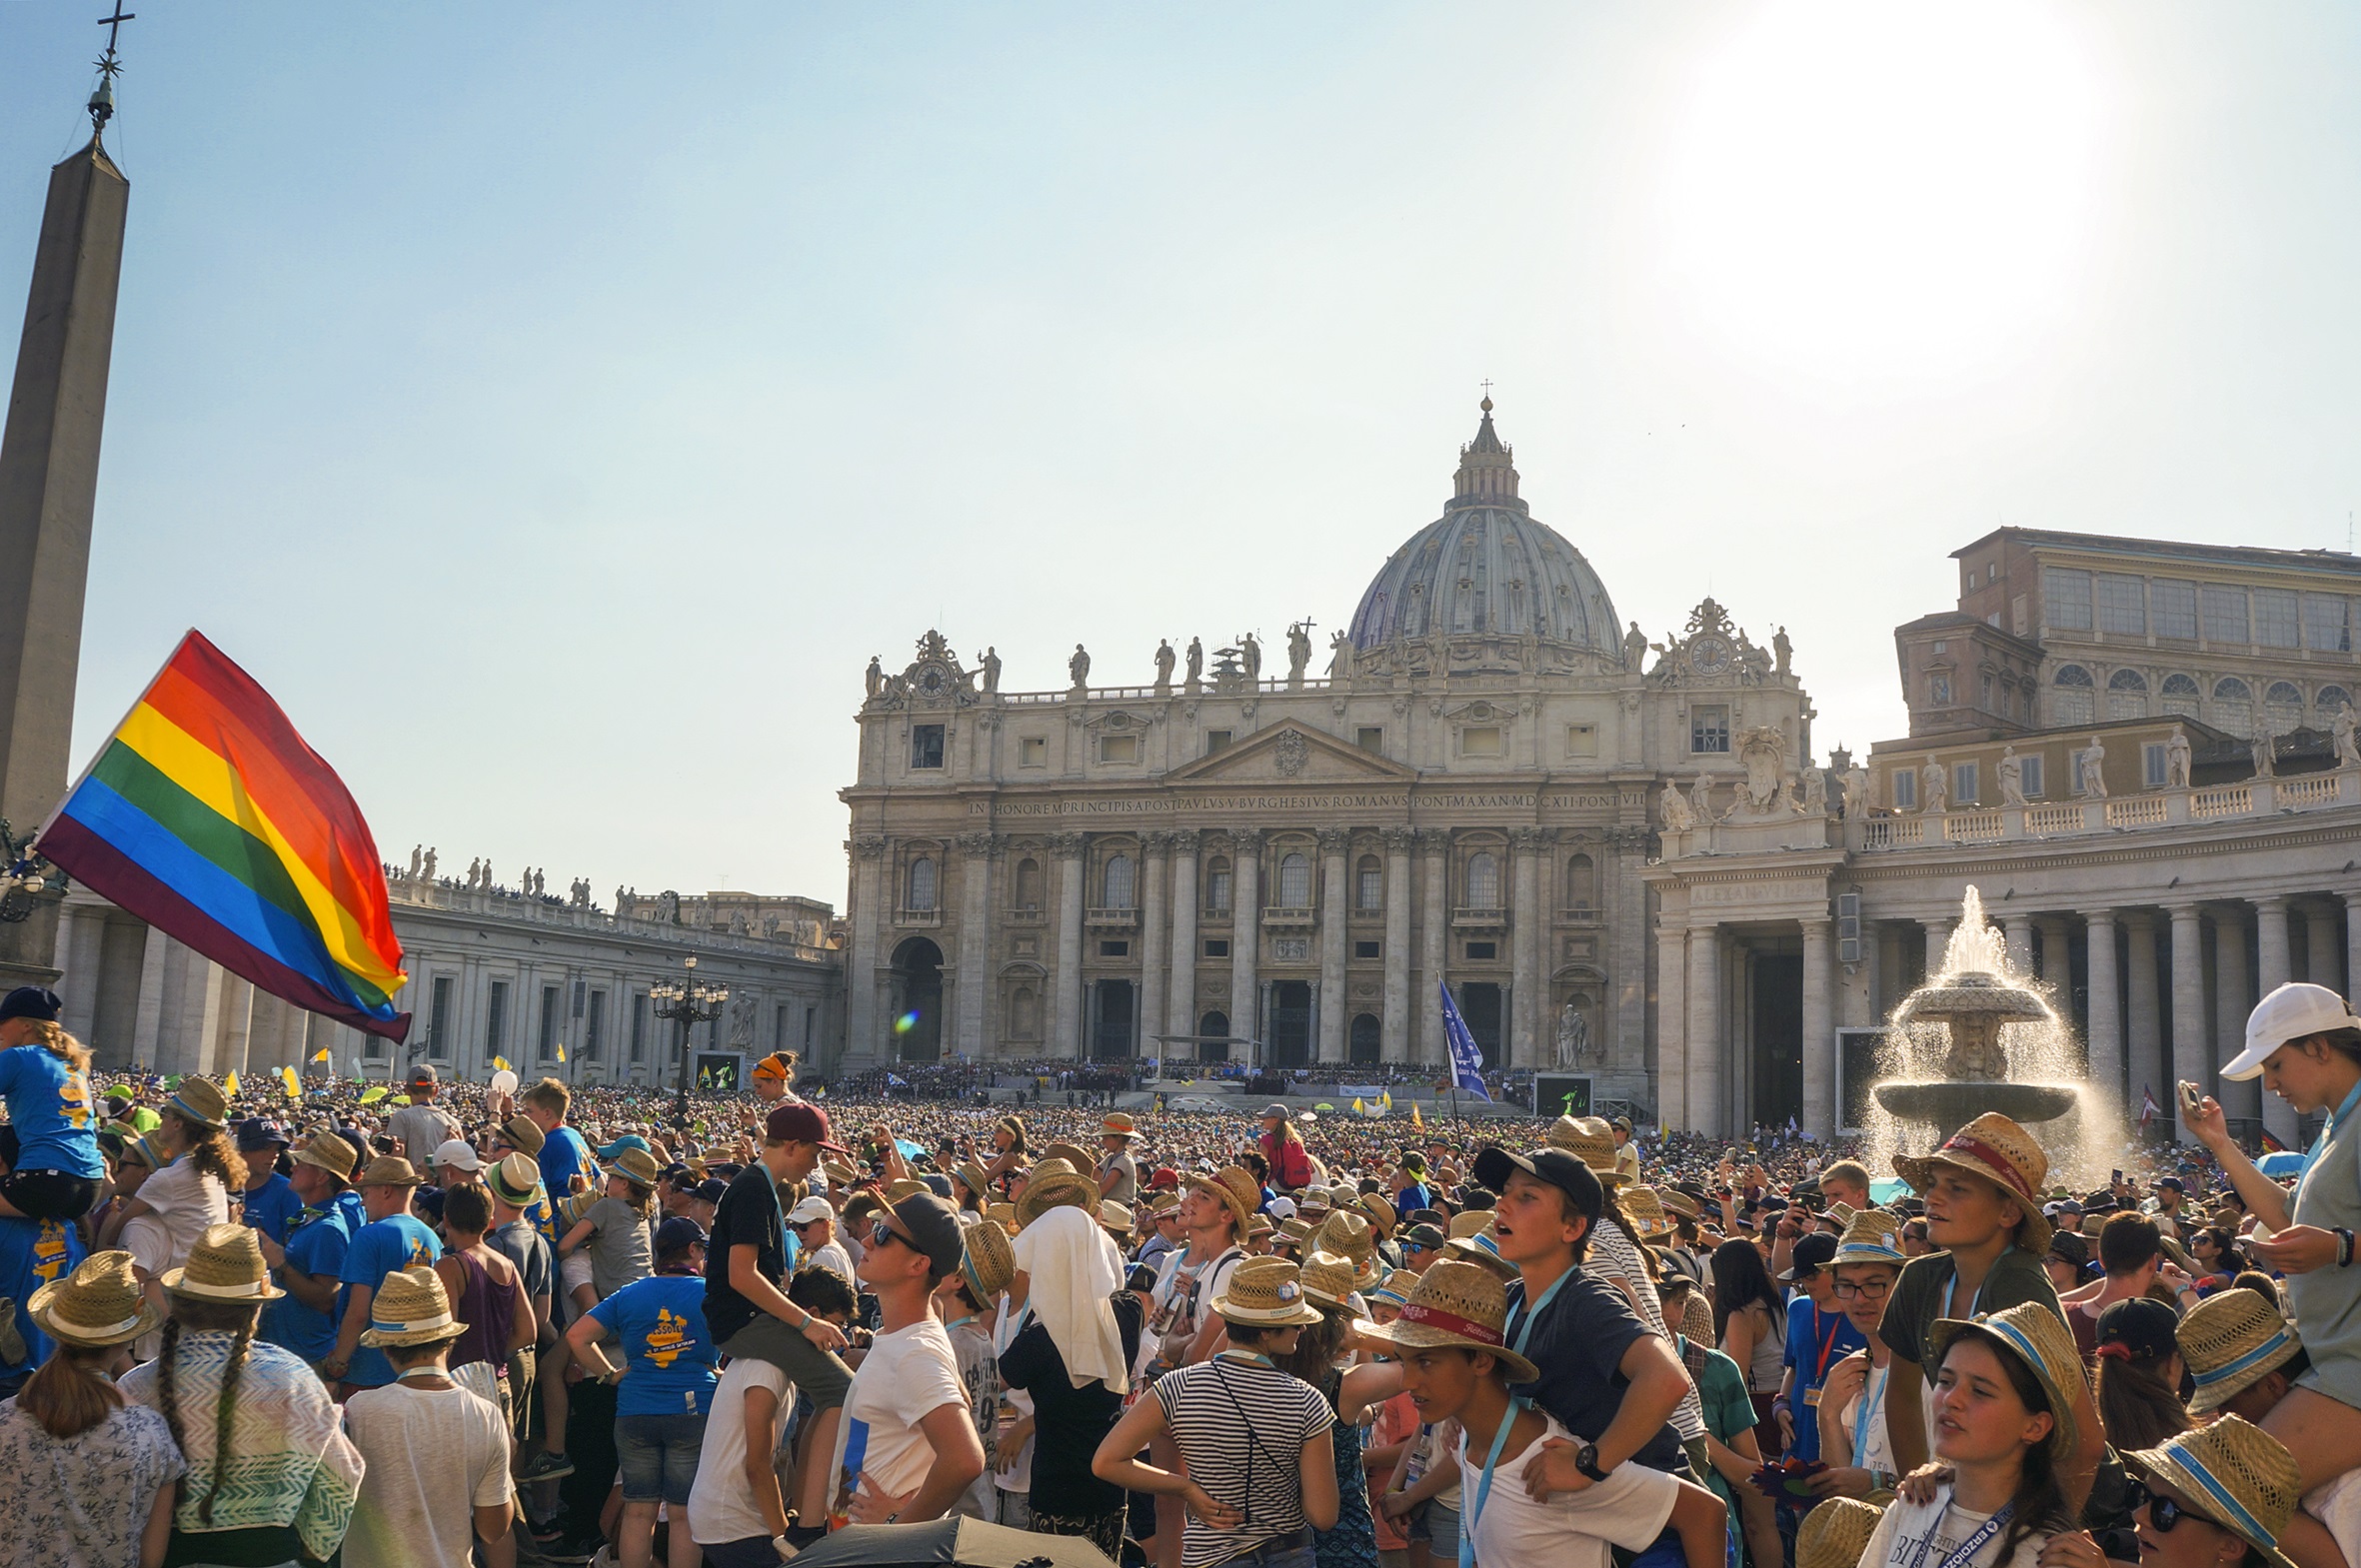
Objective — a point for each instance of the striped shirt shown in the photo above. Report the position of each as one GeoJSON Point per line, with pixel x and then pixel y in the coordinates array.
{"type": "Point", "coordinates": [1242, 1426]}
{"type": "Point", "coordinates": [1614, 1255]}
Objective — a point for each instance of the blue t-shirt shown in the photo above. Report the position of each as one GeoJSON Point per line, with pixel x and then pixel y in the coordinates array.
{"type": "Point", "coordinates": [34, 1252]}
{"type": "Point", "coordinates": [1410, 1199]}
{"type": "Point", "coordinates": [661, 1321]}
{"type": "Point", "coordinates": [564, 1155]}
{"type": "Point", "coordinates": [1814, 1344]}
{"type": "Point", "coordinates": [377, 1251]}
{"type": "Point", "coordinates": [49, 1105]}
{"type": "Point", "coordinates": [316, 1245]}
{"type": "Point", "coordinates": [270, 1208]}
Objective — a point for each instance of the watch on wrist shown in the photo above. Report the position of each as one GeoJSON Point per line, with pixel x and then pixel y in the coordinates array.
{"type": "Point", "coordinates": [1586, 1461]}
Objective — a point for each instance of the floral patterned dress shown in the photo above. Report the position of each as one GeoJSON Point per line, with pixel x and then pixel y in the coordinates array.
{"type": "Point", "coordinates": [1352, 1543]}
{"type": "Point", "coordinates": [82, 1501]}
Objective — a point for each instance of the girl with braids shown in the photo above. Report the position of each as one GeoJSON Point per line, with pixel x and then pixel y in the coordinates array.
{"type": "Point", "coordinates": [45, 1076]}
{"type": "Point", "coordinates": [272, 1476]}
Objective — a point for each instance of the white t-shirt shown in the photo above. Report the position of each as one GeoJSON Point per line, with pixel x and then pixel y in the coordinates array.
{"type": "Point", "coordinates": [1005, 1329]}
{"type": "Point", "coordinates": [1877, 1453]}
{"type": "Point", "coordinates": [908, 1374]}
{"type": "Point", "coordinates": [832, 1256]}
{"type": "Point", "coordinates": [2337, 1505]}
{"type": "Point", "coordinates": [1571, 1530]}
{"type": "Point", "coordinates": [721, 1507]}
{"type": "Point", "coordinates": [433, 1456]}
{"type": "Point", "coordinates": [185, 1200]}
{"type": "Point", "coordinates": [1896, 1540]}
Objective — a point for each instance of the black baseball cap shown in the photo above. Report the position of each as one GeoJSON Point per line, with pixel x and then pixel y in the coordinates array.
{"type": "Point", "coordinates": [801, 1121]}
{"type": "Point", "coordinates": [712, 1189]}
{"type": "Point", "coordinates": [677, 1232]}
{"type": "Point", "coordinates": [932, 1226]}
{"type": "Point", "coordinates": [2140, 1325]}
{"type": "Point", "coordinates": [257, 1132]}
{"type": "Point", "coordinates": [1812, 1253]}
{"type": "Point", "coordinates": [1566, 1172]}
{"type": "Point", "coordinates": [31, 1001]}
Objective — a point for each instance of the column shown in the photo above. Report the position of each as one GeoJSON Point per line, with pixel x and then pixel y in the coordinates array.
{"type": "Point", "coordinates": [2143, 1014]}
{"type": "Point", "coordinates": [1245, 933]}
{"type": "Point", "coordinates": [1627, 1021]}
{"type": "Point", "coordinates": [862, 966]}
{"type": "Point", "coordinates": [1939, 943]}
{"type": "Point", "coordinates": [1704, 1031]}
{"type": "Point", "coordinates": [2189, 1022]}
{"type": "Point", "coordinates": [1394, 1035]}
{"type": "Point", "coordinates": [1434, 932]}
{"type": "Point", "coordinates": [2271, 971]}
{"type": "Point", "coordinates": [2019, 930]}
{"type": "Point", "coordinates": [1152, 849]}
{"type": "Point", "coordinates": [147, 1026]}
{"type": "Point", "coordinates": [1820, 1033]}
{"type": "Point", "coordinates": [1334, 911]}
{"type": "Point", "coordinates": [1527, 921]}
{"type": "Point", "coordinates": [2320, 945]}
{"type": "Point", "coordinates": [1180, 999]}
{"type": "Point", "coordinates": [2233, 999]}
{"type": "Point", "coordinates": [977, 852]}
{"type": "Point", "coordinates": [1671, 1023]}
{"type": "Point", "coordinates": [2057, 960]}
{"type": "Point", "coordinates": [2106, 1008]}
{"type": "Point", "coordinates": [2353, 941]}
{"type": "Point", "coordinates": [1066, 982]}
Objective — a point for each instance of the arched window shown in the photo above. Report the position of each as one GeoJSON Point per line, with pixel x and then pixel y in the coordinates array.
{"type": "Point", "coordinates": [2127, 680]}
{"type": "Point", "coordinates": [2229, 689]}
{"type": "Point", "coordinates": [1581, 882]}
{"type": "Point", "coordinates": [1029, 885]}
{"type": "Point", "coordinates": [1294, 881]}
{"type": "Point", "coordinates": [1025, 1013]}
{"type": "Point", "coordinates": [921, 883]}
{"type": "Point", "coordinates": [1118, 883]}
{"type": "Point", "coordinates": [2283, 706]}
{"type": "Point", "coordinates": [1212, 1037]}
{"type": "Point", "coordinates": [2127, 695]}
{"type": "Point", "coordinates": [2071, 675]}
{"type": "Point", "coordinates": [2180, 696]}
{"type": "Point", "coordinates": [2233, 706]}
{"type": "Point", "coordinates": [2071, 700]}
{"type": "Point", "coordinates": [2331, 697]}
{"type": "Point", "coordinates": [1484, 881]}
{"type": "Point", "coordinates": [1368, 880]}
{"type": "Point", "coordinates": [1363, 1047]}
{"type": "Point", "coordinates": [1218, 884]}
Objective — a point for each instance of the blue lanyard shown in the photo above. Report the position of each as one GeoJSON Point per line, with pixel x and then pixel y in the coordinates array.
{"type": "Point", "coordinates": [2352, 1098]}
{"type": "Point", "coordinates": [1483, 1483]}
{"type": "Point", "coordinates": [1964, 1553]}
{"type": "Point", "coordinates": [1524, 1328]}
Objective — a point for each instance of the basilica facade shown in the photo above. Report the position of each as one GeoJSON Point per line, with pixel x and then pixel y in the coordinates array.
{"type": "Point", "coordinates": [1287, 864]}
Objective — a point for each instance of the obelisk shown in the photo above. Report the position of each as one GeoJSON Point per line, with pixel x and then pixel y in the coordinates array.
{"type": "Point", "coordinates": [48, 486]}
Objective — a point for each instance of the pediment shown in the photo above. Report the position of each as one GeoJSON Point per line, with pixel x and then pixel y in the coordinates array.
{"type": "Point", "coordinates": [1291, 753]}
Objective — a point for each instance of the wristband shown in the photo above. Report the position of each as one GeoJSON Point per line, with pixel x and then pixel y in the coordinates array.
{"type": "Point", "coordinates": [2344, 1247]}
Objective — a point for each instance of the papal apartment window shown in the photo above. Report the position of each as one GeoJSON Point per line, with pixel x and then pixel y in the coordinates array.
{"type": "Point", "coordinates": [926, 745]}
{"type": "Point", "coordinates": [2152, 765]}
{"type": "Point", "coordinates": [2029, 775]}
{"type": "Point", "coordinates": [1216, 946]}
{"type": "Point", "coordinates": [2065, 599]}
{"type": "Point", "coordinates": [2172, 608]}
{"type": "Point", "coordinates": [1369, 737]}
{"type": "Point", "coordinates": [1479, 741]}
{"type": "Point", "coordinates": [1218, 739]}
{"type": "Point", "coordinates": [1708, 727]}
{"type": "Point", "coordinates": [2326, 627]}
{"type": "Point", "coordinates": [2123, 603]}
{"type": "Point", "coordinates": [2274, 617]}
{"type": "Point", "coordinates": [1906, 781]}
{"type": "Point", "coordinates": [1118, 748]}
{"type": "Point", "coordinates": [1964, 790]}
{"type": "Point", "coordinates": [2225, 613]}
{"type": "Point", "coordinates": [1033, 751]}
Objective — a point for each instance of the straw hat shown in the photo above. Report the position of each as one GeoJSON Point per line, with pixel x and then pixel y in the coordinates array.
{"type": "Point", "coordinates": [200, 1100]}
{"type": "Point", "coordinates": [2035, 1336]}
{"type": "Point", "coordinates": [1072, 1153]}
{"type": "Point", "coordinates": [514, 1178]}
{"type": "Point", "coordinates": [2231, 1341]}
{"type": "Point", "coordinates": [410, 1308]}
{"type": "Point", "coordinates": [906, 1188]}
{"type": "Point", "coordinates": [1471, 1223]}
{"type": "Point", "coordinates": [2000, 1151]}
{"type": "Point", "coordinates": [1116, 1217]}
{"type": "Point", "coordinates": [99, 1303]}
{"type": "Point", "coordinates": [1462, 1305]}
{"type": "Point", "coordinates": [330, 1153]}
{"type": "Point", "coordinates": [1677, 1201]}
{"type": "Point", "coordinates": [1873, 1236]}
{"type": "Point", "coordinates": [1396, 1287]}
{"type": "Point", "coordinates": [2233, 1473]}
{"type": "Point", "coordinates": [1839, 1214]}
{"type": "Point", "coordinates": [1483, 1249]}
{"type": "Point", "coordinates": [1119, 1124]}
{"type": "Point", "coordinates": [1348, 1235]}
{"type": "Point", "coordinates": [636, 1166]}
{"type": "Point", "coordinates": [1646, 1214]}
{"type": "Point", "coordinates": [1003, 1215]}
{"type": "Point", "coordinates": [1266, 1292]}
{"type": "Point", "coordinates": [971, 1176]}
{"type": "Point", "coordinates": [225, 1264]}
{"type": "Point", "coordinates": [1293, 1233]}
{"type": "Point", "coordinates": [388, 1170]}
{"type": "Point", "coordinates": [1327, 1278]}
{"type": "Point", "coordinates": [1592, 1145]}
{"type": "Point", "coordinates": [1381, 1213]}
{"type": "Point", "coordinates": [1235, 1186]}
{"type": "Point", "coordinates": [1055, 1184]}
{"type": "Point", "coordinates": [1835, 1533]}
{"type": "Point", "coordinates": [988, 1263]}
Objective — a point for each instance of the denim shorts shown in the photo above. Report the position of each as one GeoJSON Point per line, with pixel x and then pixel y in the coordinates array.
{"type": "Point", "coordinates": [656, 1456]}
{"type": "Point", "coordinates": [1439, 1527]}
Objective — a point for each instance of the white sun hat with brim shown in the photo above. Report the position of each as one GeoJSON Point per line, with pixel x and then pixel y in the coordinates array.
{"type": "Point", "coordinates": [2297, 1011]}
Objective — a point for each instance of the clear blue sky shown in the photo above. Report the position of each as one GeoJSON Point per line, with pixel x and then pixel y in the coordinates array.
{"type": "Point", "coordinates": [556, 405]}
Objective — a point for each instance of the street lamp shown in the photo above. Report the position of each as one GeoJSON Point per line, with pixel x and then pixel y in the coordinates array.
{"type": "Point", "coordinates": [691, 1001]}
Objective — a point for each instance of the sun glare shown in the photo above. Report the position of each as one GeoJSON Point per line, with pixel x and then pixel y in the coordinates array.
{"type": "Point", "coordinates": [1884, 191]}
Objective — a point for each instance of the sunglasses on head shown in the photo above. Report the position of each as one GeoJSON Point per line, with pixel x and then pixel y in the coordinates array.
{"type": "Point", "coordinates": [2163, 1512]}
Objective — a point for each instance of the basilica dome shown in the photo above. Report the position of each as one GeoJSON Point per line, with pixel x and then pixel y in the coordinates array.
{"type": "Point", "coordinates": [1487, 569]}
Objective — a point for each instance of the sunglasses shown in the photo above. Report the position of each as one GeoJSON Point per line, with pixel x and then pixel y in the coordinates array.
{"type": "Point", "coordinates": [2163, 1513]}
{"type": "Point", "coordinates": [879, 1233]}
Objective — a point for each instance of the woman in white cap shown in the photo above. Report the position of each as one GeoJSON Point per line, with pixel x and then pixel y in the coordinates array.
{"type": "Point", "coordinates": [2304, 1042]}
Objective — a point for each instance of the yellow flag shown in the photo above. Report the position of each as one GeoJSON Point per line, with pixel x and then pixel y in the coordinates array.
{"type": "Point", "coordinates": [1416, 1120]}
{"type": "Point", "coordinates": [1386, 1100]}
{"type": "Point", "coordinates": [1358, 1108]}
{"type": "Point", "coordinates": [561, 1050]}
{"type": "Point", "coordinates": [321, 1054]}
{"type": "Point", "coordinates": [229, 1085]}
{"type": "Point", "coordinates": [501, 1064]}
{"type": "Point", "coordinates": [294, 1083]}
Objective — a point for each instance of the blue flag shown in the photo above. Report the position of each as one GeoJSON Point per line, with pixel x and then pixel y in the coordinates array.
{"type": "Point", "coordinates": [1467, 1061]}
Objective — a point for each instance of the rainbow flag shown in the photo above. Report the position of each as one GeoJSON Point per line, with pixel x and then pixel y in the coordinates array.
{"type": "Point", "coordinates": [205, 815]}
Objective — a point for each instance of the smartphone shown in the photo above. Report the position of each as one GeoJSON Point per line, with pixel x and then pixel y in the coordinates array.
{"type": "Point", "coordinates": [2192, 1097]}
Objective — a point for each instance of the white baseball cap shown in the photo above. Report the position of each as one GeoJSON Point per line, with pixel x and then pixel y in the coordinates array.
{"type": "Point", "coordinates": [2296, 1010]}
{"type": "Point", "coordinates": [457, 1152]}
{"type": "Point", "coordinates": [811, 1208]}
{"type": "Point", "coordinates": [1282, 1208]}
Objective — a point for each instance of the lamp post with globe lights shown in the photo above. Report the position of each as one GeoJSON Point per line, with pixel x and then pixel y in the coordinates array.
{"type": "Point", "coordinates": [690, 1002]}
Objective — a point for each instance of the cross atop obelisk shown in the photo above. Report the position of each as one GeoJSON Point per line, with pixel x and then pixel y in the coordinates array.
{"type": "Point", "coordinates": [109, 66]}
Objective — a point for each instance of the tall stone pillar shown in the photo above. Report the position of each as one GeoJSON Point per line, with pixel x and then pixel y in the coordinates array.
{"type": "Point", "coordinates": [1153, 847]}
{"type": "Point", "coordinates": [2272, 971]}
{"type": "Point", "coordinates": [2143, 1012]}
{"type": "Point", "coordinates": [2057, 962]}
{"type": "Point", "coordinates": [1181, 1000]}
{"type": "Point", "coordinates": [1434, 934]}
{"type": "Point", "coordinates": [977, 852]}
{"type": "Point", "coordinates": [1066, 1011]}
{"type": "Point", "coordinates": [2106, 1008]}
{"type": "Point", "coordinates": [1245, 933]}
{"type": "Point", "coordinates": [1938, 942]}
{"type": "Point", "coordinates": [1394, 1039]}
{"type": "Point", "coordinates": [1673, 1024]}
{"type": "Point", "coordinates": [1336, 910]}
{"type": "Point", "coordinates": [48, 489]}
{"type": "Point", "coordinates": [2320, 945]}
{"type": "Point", "coordinates": [1529, 923]}
{"type": "Point", "coordinates": [864, 1042]}
{"type": "Point", "coordinates": [2352, 942]}
{"type": "Point", "coordinates": [1820, 1033]}
{"type": "Point", "coordinates": [1626, 904]}
{"type": "Point", "coordinates": [2019, 930]}
{"type": "Point", "coordinates": [2233, 999]}
{"type": "Point", "coordinates": [2191, 1026]}
{"type": "Point", "coordinates": [1705, 1110]}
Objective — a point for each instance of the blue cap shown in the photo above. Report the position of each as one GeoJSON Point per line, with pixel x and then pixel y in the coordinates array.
{"type": "Point", "coordinates": [629, 1141]}
{"type": "Point", "coordinates": [259, 1132]}
{"type": "Point", "coordinates": [677, 1232]}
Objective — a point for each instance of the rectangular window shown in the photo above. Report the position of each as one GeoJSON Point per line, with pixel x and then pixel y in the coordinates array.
{"type": "Point", "coordinates": [1365, 950]}
{"type": "Point", "coordinates": [2274, 617]}
{"type": "Point", "coordinates": [1115, 949]}
{"type": "Point", "coordinates": [594, 1028]}
{"type": "Point", "coordinates": [1217, 740]}
{"type": "Point", "coordinates": [496, 1022]}
{"type": "Point", "coordinates": [1708, 727]}
{"type": "Point", "coordinates": [551, 1000]}
{"type": "Point", "coordinates": [1370, 737]}
{"type": "Point", "coordinates": [2327, 629]}
{"type": "Point", "coordinates": [779, 1027]}
{"type": "Point", "coordinates": [2152, 765]}
{"type": "Point", "coordinates": [2031, 775]}
{"type": "Point", "coordinates": [438, 1033]}
{"type": "Point", "coordinates": [2065, 599]}
{"type": "Point", "coordinates": [1963, 784]}
{"type": "Point", "coordinates": [1582, 739]}
{"type": "Point", "coordinates": [1033, 751]}
{"type": "Point", "coordinates": [1906, 790]}
{"type": "Point", "coordinates": [2225, 613]}
{"type": "Point", "coordinates": [1479, 741]}
{"type": "Point", "coordinates": [2124, 604]}
{"type": "Point", "coordinates": [2173, 603]}
{"type": "Point", "coordinates": [1987, 692]}
{"type": "Point", "coordinates": [810, 1019]}
{"type": "Point", "coordinates": [1216, 946]}
{"type": "Point", "coordinates": [926, 745]}
{"type": "Point", "coordinates": [1118, 748]}
{"type": "Point", "coordinates": [1217, 890]}
{"type": "Point", "coordinates": [640, 1026]}
{"type": "Point", "coordinates": [1484, 950]}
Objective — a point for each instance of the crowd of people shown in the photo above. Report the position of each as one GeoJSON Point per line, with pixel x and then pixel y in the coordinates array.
{"type": "Point", "coordinates": [436, 1323]}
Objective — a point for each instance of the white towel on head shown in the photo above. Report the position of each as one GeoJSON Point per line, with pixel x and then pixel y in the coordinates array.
{"type": "Point", "coordinates": [1074, 1270]}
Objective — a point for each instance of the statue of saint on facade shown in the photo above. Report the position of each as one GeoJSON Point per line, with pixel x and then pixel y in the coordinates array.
{"type": "Point", "coordinates": [417, 860]}
{"type": "Point", "coordinates": [1700, 797]}
{"type": "Point", "coordinates": [1858, 792]}
{"type": "Point", "coordinates": [1163, 665]}
{"type": "Point", "coordinates": [430, 862]}
{"type": "Point", "coordinates": [2176, 761]}
{"type": "Point", "coordinates": [1299, 654]}
{"type": "Point", "coordinates": [1573, 1037]}
{"type": "Point", "coordinates": [877, 677]}
{"type": "Point", "coordinates": [2266, 761]}
{"type": "Point", "coordinates": [990, 660]}
{"type": "Point", "coordinates": [1340, 657]}
{"type": "Point", "coordinates": [1678, 816]}
{"type": "Point", "coordinates": [1815, 792]}
{"type": "Point", "coordinates": [475, 872]}
{"type": "Point", "coordinates": [1197, 662]}
{"type": "Point", "coordinates": [2091, 769]}
{"type": "Point", "coordinates": [1078, 668]}
{"type": "Point", "coordinates": [1782, 650]}
{"type": "Point", "coordinates": [1250, 654]}
{"type": "Point", "coordinates": [1636, 647]}
{"type": "Point", "coordinates": [2348, 745]}
{"type": "Point", "coordinates": [1935, 787]}
{"type": "Point", "coordinates": [2010, 772]}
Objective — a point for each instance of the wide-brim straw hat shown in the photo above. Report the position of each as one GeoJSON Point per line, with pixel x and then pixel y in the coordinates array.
{"type": "Point", "coordinates": [1835, 1533]}
{"type": "Point", "coordinates": [1055, 1184]}
{"type": "Point", "coordinates": [1072, 1153]}
{"type": "Point", "coordinates": [2035, 1336]}
{"type": "Point", "coordinates": [1593, 1145]}
{"type": "Point", "coordinates": [1348, 1235]}
{"type": "Point", "coordinates": [2000, 1151]}
{"type": "Point", "coordinates": [1003, 1215]}
{"type": "Point", "coordinates": [1380, 1212]}
{"type": "Point", "coordinates": [330, 1153]}
{"type": "Point", "coordinates": [99, 1303]}
{"type": "Point", "coordinates": [1118, 1218]}
{"type": "Point", "coordinates": [636, 1166]}
{"type": "Point", "coordinates": [1646, 1214]}
{"type": "Point", "coordinates": [200, 1100]}
{"type": "Point", "coordinates": [1292, 1234]}
{"type": "Point", "coordinates": [1484, 1250]}
{"type": "Point", "coordinates": [2231, 1341]}
{"type": "Point", "coordinates": [971, 1176]}
{"type": "Point", "coordinates": [1119, 1124]}
{"type": "Point", "coordinates": [388, 1170]}
{"type": "Point", "coordinates": [1678, 1201]}
{"type": "Point", "coordinates": [2233, 1473]}
{"type": "Point", "coordinates": [1266, 1292]}
{"type": "Point", "coordinates": [1458, 1305]}
{"type": "Point", "coordinates": [225, 1264]}
{"type": "Point", "coordinates": [410, 1308]}
{"type": "Point", "coordinates": [906, 1188]}
{"type": "Point", "coordinates": [1469, 1222]}
{"type": "Point", "coordinates": [514, 1178]}
{"type": "Point", "coordinates": [988, 1263]}
{"type": "Point", "coordinates": [1396, 1287]}
{"type": "Point", "coordinates": [1327, 1278]}
{"type": "Point", "coordinates": [1235, 1186]}
{"type": "Point", "coordinates": [1871, 1237]}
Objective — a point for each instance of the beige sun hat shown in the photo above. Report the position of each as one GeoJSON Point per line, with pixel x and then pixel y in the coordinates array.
{"type": "Point", "coordinates": [2233, 1473]}
{"type": "Point", "coordinates": [1481, 1248]}
{"type": "Point", "coordinates": [1646, 1211]}
{"type": "Point", "coordinates": [1072, 1153]}
{"type": "Point", "coordinates": [1293, 1232]}
{"type": "Point", "coordinates": [411, 1308]}
{"type": "Point", "coordinates": [2231, 1341]}
{"type": "Point", "coordinates": [1348, 1235]}
{"type": "Point", "coordinates": [514, 1179]}
{"type": "Point", "coordinates": [1003, 1215]}
{"type": "Point", "coordinates": [1396, 1287]}
{"type": "Point", "coordinates": [906, 1188]}
{"type": "Point", "coordinates": [1235, 1186]}
{"type": "Point", "coordinates": [1591, 1143]}
{"type": "Point", "coordinates": [2000, 1151]}
{"type": "Point", "coordinates": [330, 1153]}
{"type": "Point", "coordinates": [1116, 1217]}
{"type": "Point", "coordinates": [1055, 1184]}
{"type": "Point", "coordinates": [1328, 1280]}
{"type": "Point", "coordinates": [99, 1303]}
{"type": "Point", "coordinates": [636, 1166]}
{"type": "Point", "coordinates": [388, 1170]}
{"type": "Point", "coordinates": [1471, 1222]}
{"type": "Point", "coordinates": [988, 1263]}
{"type": "Point", "coordinates": [1871, 1237]}
{"type": "Point", "coordinates": [2036, 1336]}
{"type": "Point", "coordinates": [1835, 1533]}
{"type": "Point", "coordinates": [1380, 1212]}
{"type": "Point", "coordinates": [1266, 1292]}
{"type": "Point", "coordinates": [225, 1264]}
{"type": "Point", "coordinates": [1458, 1305]}
{"type": "Point", "coordinates": [1678, 1201]}
{"type": "Point", "coordinates": [971, 1176]}
{"type": "Point", "coordinates": [200, 1100]}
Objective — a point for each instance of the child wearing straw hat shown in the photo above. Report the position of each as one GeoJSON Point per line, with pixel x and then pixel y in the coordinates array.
{"type": "Point", "coordinates": [1852, 1406]}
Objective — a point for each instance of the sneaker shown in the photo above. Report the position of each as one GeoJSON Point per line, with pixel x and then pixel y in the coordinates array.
{"type": "Point", "coordinates": [546, 1466]}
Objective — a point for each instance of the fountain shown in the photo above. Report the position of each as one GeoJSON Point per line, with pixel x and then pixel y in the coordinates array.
{"type": "Point", "coordinates": [1977, 1038]}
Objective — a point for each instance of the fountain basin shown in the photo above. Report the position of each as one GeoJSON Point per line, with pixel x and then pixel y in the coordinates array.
{"type": "Point", "coordinates": [1951, 1106]}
